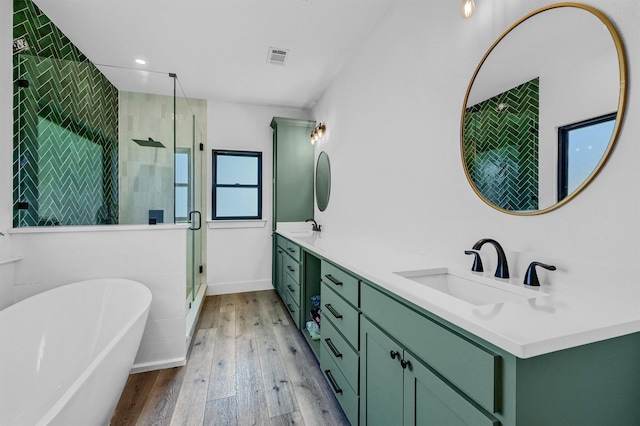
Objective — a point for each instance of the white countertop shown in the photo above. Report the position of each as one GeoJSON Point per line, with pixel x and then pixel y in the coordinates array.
{"type": "Point", "coordinates": [554, 320]}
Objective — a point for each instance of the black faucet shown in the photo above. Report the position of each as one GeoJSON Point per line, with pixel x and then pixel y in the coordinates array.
{"type": "Point", "coordinates": [315, 226]}
{"type": "Point", "coordinates": [477, 261]}
{"type": "Point", "coordinates": [531, 276]}
{"type": "Point", "coordinates": [502, 269]}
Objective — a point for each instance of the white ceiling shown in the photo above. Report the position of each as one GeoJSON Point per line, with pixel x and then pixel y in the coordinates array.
{"type": "Point", "coordinates": [218, 48]}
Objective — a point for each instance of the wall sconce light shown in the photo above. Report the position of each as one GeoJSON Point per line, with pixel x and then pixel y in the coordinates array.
{"type": "Point", "coordinates": [318, 132]}
{"type": "Point", "coordinates": [467, 8]}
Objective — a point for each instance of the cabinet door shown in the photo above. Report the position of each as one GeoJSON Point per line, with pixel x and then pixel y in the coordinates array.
{"type": "Point", "coordinates": [381, 378]}
{"type": "Point", "coordinates": [293, 170]}
{"type": "Point", "coordinates": [279, 264]}
{"type": "Point", "coordinates": [428, 400]}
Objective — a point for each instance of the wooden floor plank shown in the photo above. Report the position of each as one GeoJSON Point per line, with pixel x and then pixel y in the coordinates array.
{"type": "Point", "coordinates": [163, 397]}
{"type": "Point", "coordinates": [222, 383]}
{"type": "Point", "coordinates": [191, 402]}
{"type": "Point", "coordinates": [209, 315]}
{"type": "Point", "coordinates": [272, 306]}
{"type": "Point", "coordinates": [221, 412]}
{"type": "Point", "coordinates": [134, 398]}
{"type": "Point", "coordinates": [316, 402]}
{"type": "Point", "coordinates": [247, 313]}
{"type": "Point", "coordinates": [278, 389]}
{"type": "Point", "coordinates": [288, 419]}
{"type": "Point", "coordinates": [251, 401]}
{"type": "Point", "coordinates": [228, 302]}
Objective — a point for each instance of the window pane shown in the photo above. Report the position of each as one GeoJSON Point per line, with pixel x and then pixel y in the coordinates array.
{"type": "Point", "coordinates": [182, 202]}
{"type": "Point", "coordinates": [182, 167]}
{"type": "Point", "coordinates": [232, 169]}
{"type": "Point", "coordinates": [237, 202]}
{"type": "Point", "coordinates": [586, 148]}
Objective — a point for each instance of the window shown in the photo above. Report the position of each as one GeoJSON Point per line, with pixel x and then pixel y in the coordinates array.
{"type": "Point", "coordinates": [182, 185]}
{"type": "Point", "coordinates": [237, 185]}
{"type": "Point", "coordinates": [581, 146]}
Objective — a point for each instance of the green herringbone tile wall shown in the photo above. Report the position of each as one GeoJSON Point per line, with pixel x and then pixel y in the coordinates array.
{"type": "Point", "coordinates": [65, 129]}
{"type": "Point", "coordinates": [501, 147]}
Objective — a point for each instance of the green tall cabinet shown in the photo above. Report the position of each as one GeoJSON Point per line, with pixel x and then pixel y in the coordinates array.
{"type": "Point", "coordinates": [292, 191]}
{"type": "Point", "coordinates": [292, 170]}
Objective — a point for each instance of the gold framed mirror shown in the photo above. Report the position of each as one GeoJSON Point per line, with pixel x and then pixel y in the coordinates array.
{"type": "Point", "coordinates": [543, 109]}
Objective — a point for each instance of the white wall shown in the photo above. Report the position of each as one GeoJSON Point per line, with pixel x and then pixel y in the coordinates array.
{"type": "Point", "coordinates": [154, 256]}
{"type": "Point", "coordinates": [6, 151]}
{"type": "Point", "coordinates": [239, 259]}
{"type": "Point", "coordinates": [393, 119]}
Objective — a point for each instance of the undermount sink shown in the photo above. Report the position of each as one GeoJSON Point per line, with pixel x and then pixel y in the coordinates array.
{"type": "Point", "coordinates": [302, 233]}
{"type": "Point", "coordinates": [473, 291]}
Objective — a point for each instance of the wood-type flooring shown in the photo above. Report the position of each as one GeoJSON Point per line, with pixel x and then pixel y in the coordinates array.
{"type": "Point", "coordinates": [247, 365]}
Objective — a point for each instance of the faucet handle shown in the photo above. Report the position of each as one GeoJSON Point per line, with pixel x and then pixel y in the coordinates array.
{"type": "Point", "coordinates": [477, 261]}
{"type": "Point", "coordinates": [531, 276]}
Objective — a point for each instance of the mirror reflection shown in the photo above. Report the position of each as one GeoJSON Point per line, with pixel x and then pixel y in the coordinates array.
{"type": "Point", "coordinates": [543, 109]}
{"type": "Point", "coordinates": [323, 181]}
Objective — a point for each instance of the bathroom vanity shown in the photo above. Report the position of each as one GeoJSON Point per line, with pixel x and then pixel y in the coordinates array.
{"type": "Point", "coordinates": [396, 351]}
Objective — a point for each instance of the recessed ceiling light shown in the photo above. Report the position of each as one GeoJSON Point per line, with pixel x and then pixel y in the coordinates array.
{"type": "Point", "coordinates": [140, 61]}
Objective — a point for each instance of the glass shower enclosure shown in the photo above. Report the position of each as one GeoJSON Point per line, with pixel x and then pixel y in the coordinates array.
{"type": "Point", "coordinates": [100, 145]}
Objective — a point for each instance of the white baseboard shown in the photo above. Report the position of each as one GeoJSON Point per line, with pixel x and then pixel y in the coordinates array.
{"type": "Point", "coordinates": [238, 287]}
{"type": "Point", "coordinates": [158, 365]}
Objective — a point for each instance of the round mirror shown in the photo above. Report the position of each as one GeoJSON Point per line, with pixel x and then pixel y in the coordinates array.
{"type": "Point", "coordinates": [323, 181]}
{"type": "Point", "coordinates": [543, 109]}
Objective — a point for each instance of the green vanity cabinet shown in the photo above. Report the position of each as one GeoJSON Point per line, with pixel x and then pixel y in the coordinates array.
{"type": "Point", "coordinates": [391, 362]}
{"type": "Point", "coordinates": [456, 378]}
{"type": "Point", "coordinates": [472, 368]}
{"type": "Point", "coordinates": [399, 388]}
{"type": "Point", "coordinates": [340, 349]}
{"type": "Point", "coordinates": [278, 259]}
{"type": "Point", "coordinates": [293, 170]}
{"type": "Point", "coordinates": [415, 371]}
{"type": "Point", "coordinates": [287, 267]}
{"type": "Point", "coordinates": [290, 285]}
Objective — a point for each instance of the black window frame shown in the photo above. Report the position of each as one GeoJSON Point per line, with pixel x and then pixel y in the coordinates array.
{"type": "Point", "coordinates": [223, 152]}
{"type": "Point", "coordinates": [563, 149]}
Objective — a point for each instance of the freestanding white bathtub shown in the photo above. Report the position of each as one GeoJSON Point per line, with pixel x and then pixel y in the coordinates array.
{"type": "Point", "coordinates": [65, 354]}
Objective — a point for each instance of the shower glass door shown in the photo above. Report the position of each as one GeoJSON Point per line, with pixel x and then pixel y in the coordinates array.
{"type": "Point", "coordinates": [196, 231]}
{"type": "Point", "coordinates": [188, 185]}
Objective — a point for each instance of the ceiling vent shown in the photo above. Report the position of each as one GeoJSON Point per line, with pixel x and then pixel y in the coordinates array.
{"type": "Point", "coordinates": [277, 56]}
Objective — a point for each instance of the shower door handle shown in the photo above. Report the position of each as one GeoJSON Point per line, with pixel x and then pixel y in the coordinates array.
{"type": "Point", "coordinates": [191, 214]}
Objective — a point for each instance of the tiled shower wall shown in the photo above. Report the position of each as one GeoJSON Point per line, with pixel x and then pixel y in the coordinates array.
{"type": "Point", "coordinates": [501, 147]}
{"type": "Point", "coordinates": [65, 164]}
{"type": "Point", "coordinates": [146, 178]}
{"type": "Point", "coordinates": [146, 173]}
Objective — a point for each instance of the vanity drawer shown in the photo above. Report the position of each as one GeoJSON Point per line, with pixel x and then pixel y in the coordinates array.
{"type": "Point", "coordinates": [293, 289]}
{"type": "Point", "coordinates": [344, 316]}
{"type": "Point", "coordinates": [293, 250]}
{"type": "Point", "coordinates": [293, 309]}
{"type": "Point", "coordinates": [281, 242]}
{"type": "Point", "coordinates": [341, 282]}
{"type": "Point", "coordinates": [345, 395]}
{"type": "Point", "coordinates": [473, 369]}
{"type": "Point", "coordinates": [342, 354]}
{"type": "Point", "coordinates": [292, 268]}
